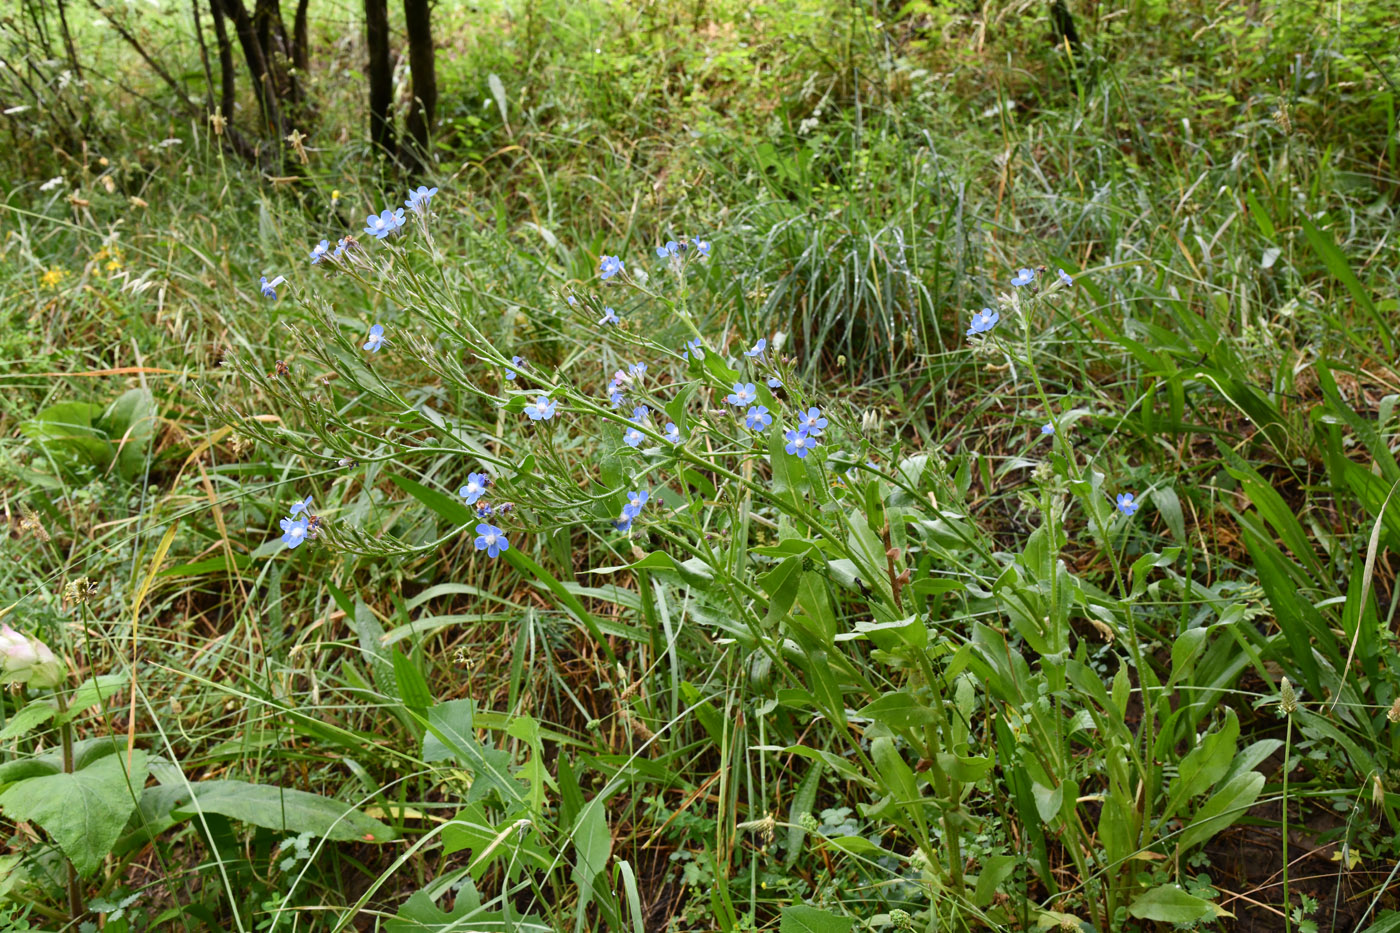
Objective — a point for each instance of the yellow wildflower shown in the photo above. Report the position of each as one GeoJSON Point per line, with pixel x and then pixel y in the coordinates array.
{"type": "Point", "coordinates": [52, 277]}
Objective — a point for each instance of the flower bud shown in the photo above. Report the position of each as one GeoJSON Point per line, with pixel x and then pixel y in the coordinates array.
{"type": "Point", "coordinates": [25, 660]}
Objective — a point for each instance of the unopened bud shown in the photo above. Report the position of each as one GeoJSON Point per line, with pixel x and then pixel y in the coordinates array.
{"type": "Point", "coordinates": [1394, 714]}
{"type": "Point", "coordinates": [1287, 698]}
{"type": "Point", "coordinates": [25, 660]}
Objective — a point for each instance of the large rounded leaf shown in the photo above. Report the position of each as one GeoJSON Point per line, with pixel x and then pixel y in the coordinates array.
{"type": "Point", "coordinates": [285, 810]}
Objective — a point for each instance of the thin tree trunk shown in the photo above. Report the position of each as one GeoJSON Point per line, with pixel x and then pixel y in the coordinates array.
{"type": "Point", "coordinates": [263, 84]}
{"type": "Point", "coordinates": [300, 55]}
{"type": "Point", "coordinates": [203, 57]}
{"type": "Point", "coordinates": [68, 42]}
{"type": "Point", "coordinates": [227, 72]}
{"type": "Point", "coordinates": [381, 78]}
{"type": "Point", "coordinates": [423, 110]}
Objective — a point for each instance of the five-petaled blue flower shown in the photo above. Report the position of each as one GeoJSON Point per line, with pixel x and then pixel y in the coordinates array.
{"type": "Point", "coordinates": [475, 488]}
{"type": "Point", "coordinates": [269, 289]}
{"type": "Point", "coordinates": [491, 539]}
{"type": "Point", "coordinates": [635, 501]}
{"type": "Point", "coordinates": [1047, 428]}
{"type": "Point", "coordinates": [1023, 277]}
{"type": "Point", "coordinates": [757, 418]}
{"type": "Point", "coordinates": [744, 393]}
{"type": "Point", "coordinates": [609, 318]}
{"type": "Point", "coordinates": [774, 382]}
{"type": "Point", "coordinates": [381, 225]}
{"type": "Point", "coordinates": [1126, 505]}
{"type": "Point", "coordinates": [672, 433]}
{"type": "Point", "coordinates": [983, 321]}
{"type": "Point", "coordinates": [758, 348]}
{"type": "Point", "coordinates": [672, 248]}
{"type": "Point", "coordinates": [610, 266]}
{"type": "Point", "coordinates": [632, 437]}
{"type": "Point", "coordinates": [799, 442]}
{"type": "Point", "coordinates": [1064, 277]}
{"type": "Point", "coordinates": [320, 251]}
{"type": "Point", "coordinates": [293, 531]}
{"type": "Point", "coordinates": [812, 422]}
{"type": "Point", "coordinates": [518, 361]}
{"type": "Point", "coordinates": [637, 370]}
{"type": "Point", "coordinates": [418, 200]}
{"type": "Point", "coordinates": [702, 247]}
{"type": "Point", "coordinates": [694, 348]}
{"type": "Point", "coordinates": [376, 338]}
{"type": "Point", "coordinates": [301, 505]}
{"type": "Point", "coordinates": [639, 414]}
{"type": "Point", "coordinates": [542, 409]}
{"type": "Point", "coordinates": [616, 397]}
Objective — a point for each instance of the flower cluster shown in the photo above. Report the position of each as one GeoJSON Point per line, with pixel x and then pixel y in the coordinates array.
{"type": "Point", "coordinates": [296, 530]}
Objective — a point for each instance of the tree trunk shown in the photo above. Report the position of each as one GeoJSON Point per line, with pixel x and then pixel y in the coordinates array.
{"type": "Point", "coordinates": [227, 73]}
{"type": "Point", "coordinates": [300, 56]}
{"type": "Point", "coordinates": [264, 87]}
{"type": "Point", "coordinates": [381, 77]}
{"type": "Point", "coordinates": [423, 110]}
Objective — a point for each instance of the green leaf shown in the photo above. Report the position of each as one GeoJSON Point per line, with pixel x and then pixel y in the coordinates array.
{"type": "Point", "coordinates": [592, 846]}
{"type": "Point", "coordinates": [92, 691]}
{"type": "Point", "coordinates": [899, 710]}
{"type": "Point", "coordinates": [994, 873]}
{"type": "Point", "coordinates": [800, 918]}
{"type": "Point", "coordinates": [28, 719]}
{"type": "Point", "coordinates": [451, 735]}
{"type": "Point", "coordinates": [284, 810]}
{"type": "Point", "coordinates": [412, 685]}
{"type": "Point", "coordinates": [84, 811]}
{"type": "Point", "coordinates": [1223, 808]}
{"type": "Point", "coordinates": [442, 505]}
{"type": "Point", "coordinates": [1336, 262]}
{"type": "Point", "coordinates": [1168, 903]}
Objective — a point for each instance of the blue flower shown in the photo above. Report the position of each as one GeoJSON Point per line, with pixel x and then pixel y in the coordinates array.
{"type": "Point", "coordinates": [632, 437]}
{"type": "Point", "coordinates": [637, 370]}
{"type": "Point", "coordinates": [1047, 428]}
{"type": "Point", "coordinates": [320, 251]}
{"type": "Point", "coordinates": [672, 433]}
{"type": "Point", "coordinates": [301, 505]}
{"type": "Point", "coordinates": [610, 266]}
{"type": "Point", "coordinates": [757, 418]}
{"type": "Point", "coordinates": [573, 302]}
{"type": "Point", "coordinates": [639, 414]}
{"type": "Point", "coordinates": [702, 247]}
{"type": "Point", "coordinates": [635, 501]}
{"type": "Point", "coordinates": [1126, 505]}
{"type": "Point", "coordinates": [670, 249]}
{"type": "Point", "coordinates": [376, 338]}
{"type": "Point", "coordinates": [519, 362]}
{"type": "Point", "coordinates": [799, 442]}
{"type": "Point", "coordinates": [743, 395]}
{"type": "Point", "coordinates": [609, 318]}
{"type": "Point", "coordinates": [758, 348]}
{"type": "Point", "coordinates": [812, 422]}
{"type": "Point", "coordinates": [269, 289]}
{"type": "Point", "coordinates": [622, 524]}
{"type": "Point", "coordinates": [418, 200]}
{"type": "Point", "coordinates": [774, 382]}
{"type": "Point", "coordinates": [694, 348]}
{"type": "Point", "coordinates": [293, 531]}
{"type": "Point", "coordinates": [381, 225]}
{"type": "Point", "coordinates": [1064, 277]}
{"type": "Point", "coordinates": [542, 409]}
{"type": "Point", "coordinates": [475, 488]}
{"type": "Point", "coordinates": [491, 539]}
{"type": "Point", "coordinates": [983, 321]}
{"type": "Point", "coordinates": [483, 510]}
{"type": "Point", "coordinates": [616, 397]}
{"type": "Point", "coordinates": [1023, 277]}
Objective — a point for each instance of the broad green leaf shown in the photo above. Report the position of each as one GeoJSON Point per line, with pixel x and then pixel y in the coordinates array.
{"type": "Point", "coordinates": [284, 810]}
{"type": "Point", "coordinates": [412, 685]}
{"type": "Point", "coordinates": [451, 735]}
{"type": "Point", "coordinates": [1204, 765]}
{"type": "Point", "coordinates": [92, 691]}
{"type": "Point", "coordinates": [1168, 903]}
{"type": "Point", "coordinates": [994, 873]}
{"type": "Point", "coordinates": [1223, 808]}
{"type": "Point", "coordinates": [84, 811]}
{"type": "Point", "coordinates": [899, 710]}
{"type": "Point", "coordinates": [28, 719]}
{"type": "Point", "coordinates": [802, 918]}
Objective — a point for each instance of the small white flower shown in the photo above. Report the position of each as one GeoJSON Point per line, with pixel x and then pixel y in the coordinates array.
{"type": "Point", "coordinates": [52, 183]}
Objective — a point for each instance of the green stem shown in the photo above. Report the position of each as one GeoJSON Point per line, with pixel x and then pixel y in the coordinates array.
{"type": "Point", "coordinates": [75, 897]}
{"type": "Point", "coordinates": [1287, 750]}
